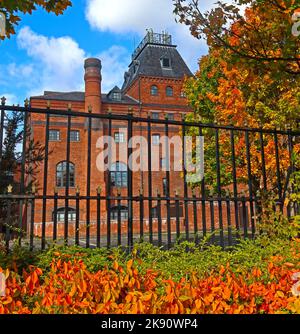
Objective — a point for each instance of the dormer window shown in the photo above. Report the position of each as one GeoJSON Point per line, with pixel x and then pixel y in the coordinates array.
{"type": "Point", "coordinates": [116, 96]}
{"type": "Point", "coordinates": [165, 62]}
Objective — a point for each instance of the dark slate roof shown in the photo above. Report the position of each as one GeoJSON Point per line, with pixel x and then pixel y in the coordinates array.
{"type": "Point", "coordinates": [148, 63]}
{"type": "Point", "coordinates": [80, 97]}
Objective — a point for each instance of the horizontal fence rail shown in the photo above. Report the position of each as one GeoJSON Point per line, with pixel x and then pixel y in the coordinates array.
{"type": "Point", "coordinates": [54, 189]}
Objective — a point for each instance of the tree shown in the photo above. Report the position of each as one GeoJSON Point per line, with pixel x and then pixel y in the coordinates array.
{"type": "Point", "coordinates": [13, 8]}
{"type": "Point", "coordinates": [245, 93]}
{"type": "Point", "coordinates": [10, 165]}
{"type": "Point", "coordinates": [262, 34]}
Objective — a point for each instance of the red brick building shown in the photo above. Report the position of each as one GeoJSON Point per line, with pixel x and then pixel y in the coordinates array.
{"type": "Point", "coordinates": [152, 87]}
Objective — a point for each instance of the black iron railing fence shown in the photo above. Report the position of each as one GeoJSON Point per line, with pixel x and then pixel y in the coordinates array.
{"type": "Point", "coordinates": [241, 165]}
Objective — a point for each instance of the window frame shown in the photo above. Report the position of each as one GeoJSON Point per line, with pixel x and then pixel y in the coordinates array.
{"type": "Point", "coordinates": [155, 135]}
{"type": "Point", "coordinates": [76, 132]}
{"type": "Point", "coordinates": [163, 59]}
{"type": "Point", "coordinates": [154, 90]}
{"type": "Point", "coordinates": [155, 115]}
{"type": "Point", "coordinates": [61, 180]}
{"type": "Point", "coordinates": [118, 178]}
{"type": "Point", "coordinates": [119, 135]}
{"type": "Point", "coordinates": [168, 90]}
{"type": "Point", "coordinates": [57, 132]}
{"type": "Point", "coordinates": [165, 186]}
{"type": "Point", "coordinates": [60, 215]}
{"type": "Point", "coordinates": [114, 212]}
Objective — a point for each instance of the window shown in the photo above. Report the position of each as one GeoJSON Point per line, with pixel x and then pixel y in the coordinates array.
{"type": "Point", "coordinates": [166, 62]}
{"type": "Point", "coordinates": [169, 91]}
{"type": "Point", "coordinates": [54, 135]}
{"type": "Point", "coordinates": [154, 90]}
{"type": "Point", "coordinates": [118, 175]}
{"type": "Point", "coordinates": [155, 115]}
{"type": "Point", "coordinates": [171, 117]}
{"type": "Point", "coordinates": [116, 96]}
{"type": "Point", "coordinates": [60, 214]}
{"type": "Point", "coordinates": [155, 139]}
{"type": "Point", "coordinates": [182, 94]}
{"type": "Point", "coordinates": [119, 137]}
{"type": "Point", "coordinates": [74, 136]}
{"type": "Point", "coordinates": [165, 187]}
{"type": "Point", "coordinates": [61, 174]}
{"type": "Point", "coordinates": [154, 212]}
{"type": "Point", "coordinates": [163, 163]}
{"type": "Point", "coordinates": [115, 212]}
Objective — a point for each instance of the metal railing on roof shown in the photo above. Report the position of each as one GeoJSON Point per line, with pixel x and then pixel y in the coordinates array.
{"type": "Point", "coordinates": [153, 38]}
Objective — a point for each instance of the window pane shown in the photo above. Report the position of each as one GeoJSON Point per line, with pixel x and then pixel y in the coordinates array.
{"type": "Point", "coordinates": [155, 139]}
{"type": "Point", "coordinates": [74, 136]}
{"type": "Point", "coordinates": [166, 62]}
{"type": "Point", "coordinates": [61, 174]}
{"type": "Point", "coordinates": [54, 135]}
{"type": "Point", "coordinates": [169, 91]}
{"type": "Point", "coordinates": [155, 115]}
{"type": "Point", "coordinates": [154, 90]}
{"type": "Point", "coordinates": [119, 137]}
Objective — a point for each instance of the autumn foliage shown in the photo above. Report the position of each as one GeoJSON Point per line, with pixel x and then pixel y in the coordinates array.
{"type": "Point", "coordinates": [69, 287]}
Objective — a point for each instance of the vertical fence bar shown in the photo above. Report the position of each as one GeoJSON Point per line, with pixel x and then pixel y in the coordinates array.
{"type": "Point", "coordinates": [229, 221]}
{"type": "Point", "coordinates": [8, 223]}
{"type": "Point", "coordinates": [168, 165]}
{"type": "Point", "coordinates": [141, 215]}
{"type": "Point", "coordinates": [23, 170]}
{"type": "Point", "coordinates": [244, 217]}
{"type": "Point", "coordinates": [31, 232]}
{"type": "Point", "coordinates": [45, 185]}
{"type": "Point", "coordinates": [88, 179]}
{"type": "Point", "coordinates": [119, 219]}
{"type": "Point", "coordinates": [66, 227]}
{"type": "Point", "coordinates": [235, 191]}
{"type": "Point", "coordinates": [150, 179]}
{"type": "Point", "coordinates": [195, 218]}
{"type": "Point", "coordinates": [219, 187]}
{"type": "Point", "coordinates": [263, 160]}
{"type": "Point", "coordinates": [278, 167]}
{"type": "Point", "coordinates": [159, 220]}
{"type": "Point", "coordinates": [212, 219]}
{"type": "Point", "coordinates": [250, 186]}
{"type": "Point", "coordinates": [203, 198]}
{"type": "Point", "coordinates": [99, 217]}
{"type": "Point", "coordinates": [130, 186]}
{"type": "Point", "coordinates": [55, 215]}
{"type": "Point", "coordinates": [108, 194]}
{"type": "Point", "coordinates": [177, 214]}
{"type": "Point", "coordinates": [2, 117]}
{"type": "Point", "coordinates": [77, 223]}
{"type": "Point", "coordinates": [185, 186]}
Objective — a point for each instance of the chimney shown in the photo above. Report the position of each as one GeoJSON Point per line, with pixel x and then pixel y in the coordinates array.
{"type": "Point", "coordinates": [92, 80]}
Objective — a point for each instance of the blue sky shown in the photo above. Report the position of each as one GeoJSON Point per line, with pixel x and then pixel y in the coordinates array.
{"type": "Point", "coordinates": [48, 51]}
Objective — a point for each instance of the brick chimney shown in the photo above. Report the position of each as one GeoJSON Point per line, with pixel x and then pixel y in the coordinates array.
{"type": "Point", "coordinates": [92, 80]}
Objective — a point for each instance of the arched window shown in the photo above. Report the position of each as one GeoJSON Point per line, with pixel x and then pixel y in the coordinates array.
{"type": "Point", "coordinates": [118, 175]}
{"type": "Point", "coordinates": [169, 91]}
{"type": "Point", "coordinates": [60, 214]}
{"type": "Point", "coordinates": [61, 174]}
{"type": "Point", "coordinates": [154, 90]}
{"type": "Point", "coordinates": [119, 210]}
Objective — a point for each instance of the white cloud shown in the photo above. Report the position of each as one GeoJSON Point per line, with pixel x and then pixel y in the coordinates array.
{"type": "Point", "coordinates": [115, 61]}
{"type": "Point", "coordinates": [135, 16]}
{"type": "Point", "coordinates": [57, 62]}
{"type": "Point", "coordinates": [10, 99]}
